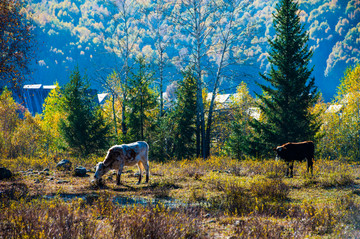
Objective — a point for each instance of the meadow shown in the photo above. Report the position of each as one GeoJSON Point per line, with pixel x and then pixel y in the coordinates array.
{"type": "Point", "coordinates": [214, 198]}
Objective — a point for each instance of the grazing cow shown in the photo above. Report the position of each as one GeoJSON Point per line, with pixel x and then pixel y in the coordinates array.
{"type": "Point", "coordinates": [291, 152]}
{"type": "Point", "coordinates": [119, 156]}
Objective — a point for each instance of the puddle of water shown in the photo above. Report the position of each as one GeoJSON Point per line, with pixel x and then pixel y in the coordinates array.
{"type": "Point", "coordinates": [122, 201]}
{"type": "Point", "coordinates": [129, 201]}
{"type": "Point", "coordinates": [65, 197]}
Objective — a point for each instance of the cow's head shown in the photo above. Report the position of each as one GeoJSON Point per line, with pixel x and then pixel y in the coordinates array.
{"type": "Point", "coordinates": [280, 151]}
{"type": "Point", "coordinates": [101, 169]}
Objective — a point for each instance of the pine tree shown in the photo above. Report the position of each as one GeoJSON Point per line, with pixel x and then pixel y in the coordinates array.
{"type": "Point", "coordinates": [84, 129]}
{"type": "Point", "coordinates": [291, 92]}
{"type": "Point", "coordinates": [141, 102]}
{"type": "Point", "coordinates": [184, 116]}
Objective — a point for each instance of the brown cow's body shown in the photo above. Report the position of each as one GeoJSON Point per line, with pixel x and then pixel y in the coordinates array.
{"type": "Point", "coordinates": [119, 156]}
{"type": "Point", "coordinates": [291, 152]}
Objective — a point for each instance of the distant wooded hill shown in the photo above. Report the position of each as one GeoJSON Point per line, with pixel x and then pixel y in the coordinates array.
{"type": "Point", "coordinates": [88, 33]}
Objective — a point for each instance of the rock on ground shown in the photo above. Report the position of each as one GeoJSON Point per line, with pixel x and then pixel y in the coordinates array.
{"type": "Point", "coordinates": [80, 171]}
{"type": "Point", "coordinates": [64, 165]}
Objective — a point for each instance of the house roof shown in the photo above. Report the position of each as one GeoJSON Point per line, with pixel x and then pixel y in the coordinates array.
{"type": "Point", "coordinates": [33, 86]}
{"type": "Point", "coordinates": [220, 98]}
{"type": "Point", "coordinates": [333, 108]}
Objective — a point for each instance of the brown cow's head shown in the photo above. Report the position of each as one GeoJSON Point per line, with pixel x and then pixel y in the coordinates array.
{"type": "Point", "coordinates": [280, 151]}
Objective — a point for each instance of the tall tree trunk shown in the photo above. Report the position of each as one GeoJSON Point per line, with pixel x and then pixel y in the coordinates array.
{"type": "Point", "coordinates": [214, 93]}
{"type": "Point", "coordinates": [114, 112]}
{"type": "Point", "coordinates": [161, 69]}
{"type": "Point", "coordinates": [200, 124]}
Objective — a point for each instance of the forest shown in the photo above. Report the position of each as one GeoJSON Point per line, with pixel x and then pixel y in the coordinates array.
{"type": "Point", "coordinates": [90, 32]}
{"type": "Point", "coordinates": [213, 169]}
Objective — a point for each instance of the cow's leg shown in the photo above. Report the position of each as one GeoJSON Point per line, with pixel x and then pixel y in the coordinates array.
{"type": "Point", "coordinates": [146, 166]}
{"type": "Point", "coordinates": [119, 174]}
{"type": "Point", "coordinates": [291, 169]}
{"type": "Point", "coordinates": [310, 165]}
{"type": "Point", "coordinates": [140, 172]}
{"type": "Point", "coordinates": [287, 169]}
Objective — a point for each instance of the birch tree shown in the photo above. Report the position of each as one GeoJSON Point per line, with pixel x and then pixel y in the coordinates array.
{"type": "Point", "coordinates": [196, 19]}
{"type": "Point", "coordinates": [228, 33]}
{"type": "Point", "coordinates": [160, 30]}
{"type": "Point", "coordinates": [123, 39]}
{"type": "Point", "coordinates": [213, 29]}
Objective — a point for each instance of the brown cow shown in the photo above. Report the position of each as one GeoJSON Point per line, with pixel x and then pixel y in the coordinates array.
{"type": "Point", "coordinates": [119, 156]}
{"type": "Point", "coordinates": [291, 152]}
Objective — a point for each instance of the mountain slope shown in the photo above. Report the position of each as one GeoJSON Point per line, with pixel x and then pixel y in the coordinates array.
{"type": "Point", "coordinates": [82, 32]}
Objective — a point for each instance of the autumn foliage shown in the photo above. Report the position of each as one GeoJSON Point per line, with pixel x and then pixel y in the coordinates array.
{"type": "Point", "coordinates": [16, 43]}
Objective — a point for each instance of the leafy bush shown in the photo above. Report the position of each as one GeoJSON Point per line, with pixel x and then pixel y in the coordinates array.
{"type": "Point", "coordinates": [270, 189]}
{"type": "Point", "coordinates": [234, 200]}
{"type": "Point", "coordinates": [335, 173]}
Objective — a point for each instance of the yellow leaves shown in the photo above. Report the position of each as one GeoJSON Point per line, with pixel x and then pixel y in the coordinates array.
{"type": "Point", "coordinates": [341, 126]}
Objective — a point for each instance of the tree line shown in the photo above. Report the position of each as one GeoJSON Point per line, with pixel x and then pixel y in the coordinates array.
{"type": "Point", "coordinates": [289, 109]}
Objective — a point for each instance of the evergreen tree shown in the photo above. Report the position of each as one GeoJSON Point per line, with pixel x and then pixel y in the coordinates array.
{"type": "Point", "coordinates": [140, 104]}
{"type": "Point", "coordinates": [184, 116]}
{"type": "Point", "coordinates": [291, 92]}
{"type": "Point", "coordinates": [84, 129]}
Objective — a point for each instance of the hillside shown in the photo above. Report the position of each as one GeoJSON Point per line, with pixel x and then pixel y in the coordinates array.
{"type": "Point", "coordinates": [88, 33]}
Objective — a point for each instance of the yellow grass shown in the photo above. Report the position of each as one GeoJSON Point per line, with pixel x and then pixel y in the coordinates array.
{"type": "Point", "coordinates": [235, 198]}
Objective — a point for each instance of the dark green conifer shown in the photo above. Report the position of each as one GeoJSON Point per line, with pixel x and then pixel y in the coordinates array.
{"type": "Point", "coordinates": [84, 129]}
{"type": "Point", "coordinates": [141, 103]}
{"type": "Point", "coordinates": [290, 92]}
{"type": "Point", "coordinates": [184, 116]}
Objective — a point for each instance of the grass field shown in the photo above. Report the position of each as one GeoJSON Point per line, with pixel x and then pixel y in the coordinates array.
{"type": "Point", "coordinates": [215, 198]}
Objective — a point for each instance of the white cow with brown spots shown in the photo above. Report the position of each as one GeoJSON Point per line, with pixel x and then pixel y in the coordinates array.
{"type": "Point", "coordinates": [119, 156]}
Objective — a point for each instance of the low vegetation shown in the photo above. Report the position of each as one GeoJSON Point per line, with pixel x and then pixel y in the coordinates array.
{"type": "Point", "coordinates": [218, 197]}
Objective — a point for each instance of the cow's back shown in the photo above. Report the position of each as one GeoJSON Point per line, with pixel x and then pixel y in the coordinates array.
{"type": "Point", "coordinates": [140, 147]}
{"type": "Point", "coordinates": [299, 151]}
